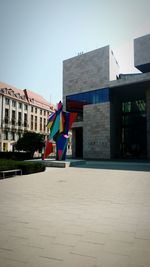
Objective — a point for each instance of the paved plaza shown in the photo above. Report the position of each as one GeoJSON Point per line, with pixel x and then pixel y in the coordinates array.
{"type": "Point", "coordinates": [76, 217]}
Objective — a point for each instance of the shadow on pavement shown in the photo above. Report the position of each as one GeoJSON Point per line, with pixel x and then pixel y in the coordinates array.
{"type": "Point", "coordinates": [117, 165]}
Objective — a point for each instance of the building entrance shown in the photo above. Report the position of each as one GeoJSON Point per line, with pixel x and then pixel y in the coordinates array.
{"type": "Point", "coordinates": [133, 129]}
{"type": "Point", "coordinates": [79, 142]}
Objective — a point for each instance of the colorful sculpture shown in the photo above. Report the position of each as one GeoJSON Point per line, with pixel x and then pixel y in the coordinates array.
{"type": "Point", "coordinates": [59, 123]}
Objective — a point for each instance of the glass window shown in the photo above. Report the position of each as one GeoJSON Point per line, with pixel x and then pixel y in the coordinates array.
{"type": "Point", "coordinates": [35, 122]}
{"type": "Point", "coordinates": [77, 101]}
{"type": "Point", "coordinates": [32, 109]}
{"type": "Point", "coordinates": [12, 136]}
{"type": "Point", "coordinates": [25, 107]}
{"type": "Point", "coordinates": [13, 103]}
{"type": "Point", "coordinates": [20, 105]}
{"type": "Point", "coordinates": [31, 122]}
{"type": "Point", "coordinates": [40, 124]}
{"type": "Point", "coordinates": [44, 124]}
{"type": "Point", "coordinates": [5, 147]}
{"type": "Point", "coordinates": [7, 101]}
{"type": "Point", "coordinates": [25, 120]}
{"type": "Point", "coordinates": [19, 118]}
{"type": "Point", "coordinates": [6, 115]}
{"type": "Point", "coordinates": [133, 143]}
{"type": "Point", "coordinates": [31, 125]}
{"type": "Point", "coordinates": [6, 135]}
{"type": "Point", "coordinates": [13, 117]}
{"type": "Point", "coordinates": [19, 135]}
{"type": "Point", "coordinates": [35, 110]}
{"type": "Point", "coordinates": [40, 111]}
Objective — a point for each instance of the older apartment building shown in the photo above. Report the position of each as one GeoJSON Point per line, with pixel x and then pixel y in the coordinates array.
{"type": "Point", "coordinates": [21, 111]}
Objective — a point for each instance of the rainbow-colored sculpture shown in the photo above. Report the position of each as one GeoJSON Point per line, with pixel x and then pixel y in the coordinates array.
{"type": "Point", "coordinates": [59, 123]}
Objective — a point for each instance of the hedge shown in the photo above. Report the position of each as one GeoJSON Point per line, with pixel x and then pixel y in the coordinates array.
{"type": "Point", "coordinates": [27, 167]}
{"type": "Point", "coordinates": [15, 155]}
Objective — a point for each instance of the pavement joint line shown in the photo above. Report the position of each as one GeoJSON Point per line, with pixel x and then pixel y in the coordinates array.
{"type": "Point", "coordinates": [72, 234]}
{"type": "Point", "coordinates": [19, 237]}
{"type": "Point", "coordinates": [83, 255]}
{"type": "Point", "coordinates": [116, 253]}
{"type": "Point", "coordinates": [121, 241]}
{"type": "Point", "coordinates": [50, 258]}
{"type": "Point", "coordinates": [32, 228]}
{"type": "Point", "coordinates": [62, 244]}
{"type": "Point", "coordinates": [6, 249]}
{"type": "Point", "coordinates": [32, 246]}
{"type": "Point", "coordinates": [90, 242]}
{"type": "Point", "coordinates": [49, 236]}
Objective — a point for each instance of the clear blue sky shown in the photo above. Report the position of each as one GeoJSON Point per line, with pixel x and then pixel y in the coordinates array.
{"type": "Point", "coordinates": [37, 35]}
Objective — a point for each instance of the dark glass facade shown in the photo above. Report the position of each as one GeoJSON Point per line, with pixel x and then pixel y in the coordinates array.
{"type": "Point", "coordinates": [76, 102]}
{"type": "Point", "coordinates": [134, 129]}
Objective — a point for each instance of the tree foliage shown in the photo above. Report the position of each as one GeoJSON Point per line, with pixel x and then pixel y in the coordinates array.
{"type": "Point", "coordinates": [30, 142]}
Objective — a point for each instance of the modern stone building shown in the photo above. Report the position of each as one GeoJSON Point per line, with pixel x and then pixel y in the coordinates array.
{"type": "Point", "coordinates": [21, 111]}
{"type": "Point", "coordinates": [113, 109]}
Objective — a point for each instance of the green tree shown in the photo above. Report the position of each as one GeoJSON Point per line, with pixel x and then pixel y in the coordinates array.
{"type": "Point", "coordinates": [30, 142]}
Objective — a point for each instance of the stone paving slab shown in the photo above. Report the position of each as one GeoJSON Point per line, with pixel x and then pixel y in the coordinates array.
{"type": "Point", "coordinates": [75, 217]}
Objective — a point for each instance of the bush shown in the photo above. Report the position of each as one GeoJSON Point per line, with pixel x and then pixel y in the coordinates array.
{"type": "Point", "coordinates": [31, 167]}
{"type": "Point", "coordinates": [26, 167]}
{"type": "Point", "coordinates": [15, 155]}
{"type": "Point", "coordinates": [7, 165]}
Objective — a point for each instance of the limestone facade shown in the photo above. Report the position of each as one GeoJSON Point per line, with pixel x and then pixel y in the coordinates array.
{"type": "Point", "coordinates": [96, 131]}
{"type": "Point", "coordinates": [104, 128]}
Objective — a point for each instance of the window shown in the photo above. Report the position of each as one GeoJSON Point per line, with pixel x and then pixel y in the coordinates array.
{"type": "Point", "coordinates": [13, 103]}
{"type": "Point", "coordinates": [6, 115]}
{"type": "Point", "coordinates": [35, 110]}
{"type": "Point", "coordinates": [32, 109]}
{"type": "Point", "coordinates": [44, 125]}
{"type": "Point", "coordinates": [40, 124]}
{"type": "Point", "coordinates": [12, 136]}
{"type": "Point", "coordinates": [19, 118]}
{"type": "Point", "coordinates": [40, 111]}
{"type": "Point", "coordinates": [20, 105]}
{"type": "Point", "coordinates": [13, 117]}
{"type": "Point", "coordinates": [77, 101]}
{"type": "Point", "coordinates": [31, 122]}
{"type": "Point", "coordinates": [44, 112]}
{"type": "Point", "coordinates": [35, 123]}
{"type": "Point", "coordinates": [7, 101]}
{"type": "Point", "coordinates": [25, 107]}
{"type": "Point", "coordinates": [19, 135]}
{"type": "Point", "coordinates": [5, 147]}
{"type": "Point", "coordinates": [25, 120]}
{"type": "Point", "coordinates": [6, 135]}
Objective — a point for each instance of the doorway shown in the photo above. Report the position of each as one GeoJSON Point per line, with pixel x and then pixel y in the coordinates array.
{"type": "Point", "coordinates": [79, 142]}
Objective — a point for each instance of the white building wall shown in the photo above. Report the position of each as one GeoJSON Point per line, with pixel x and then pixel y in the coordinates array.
{"type": "Point", "coordinates": [113, 67]}
{"type": "Point", "coordinates": [15, 128]}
